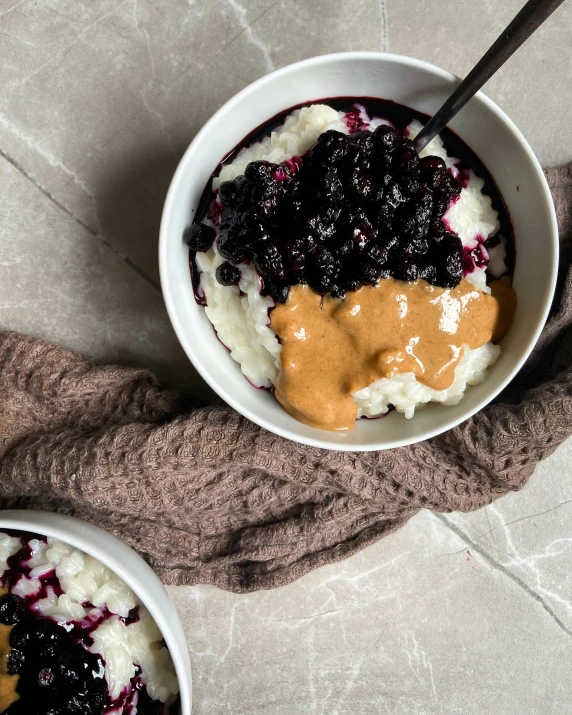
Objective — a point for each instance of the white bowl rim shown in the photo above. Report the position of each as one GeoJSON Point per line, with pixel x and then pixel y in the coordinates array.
{"type": "Point", "coordinates": [61, 526]}
{"type": "Point", "coordinates": [182, 168]}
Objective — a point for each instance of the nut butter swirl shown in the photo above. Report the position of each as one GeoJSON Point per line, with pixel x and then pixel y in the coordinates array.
{"type": "Point", "coordinates": [332, 347]}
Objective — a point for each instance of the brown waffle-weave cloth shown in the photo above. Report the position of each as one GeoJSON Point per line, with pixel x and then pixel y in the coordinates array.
{"type": "Point", "coordinates": [208, 497]}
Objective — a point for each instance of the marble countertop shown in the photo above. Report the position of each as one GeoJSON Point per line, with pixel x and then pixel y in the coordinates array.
{"type": "Point", "coordinates": [468, 614]}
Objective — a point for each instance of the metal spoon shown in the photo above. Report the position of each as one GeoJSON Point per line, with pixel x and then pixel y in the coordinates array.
{"type": "Point", "coordinates": [529, 19]}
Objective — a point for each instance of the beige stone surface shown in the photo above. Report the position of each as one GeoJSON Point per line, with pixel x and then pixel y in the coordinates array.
{"type": "Point", "coordinates": [466, 614]}
{"type": "Point", "coordinates": [457, 614]}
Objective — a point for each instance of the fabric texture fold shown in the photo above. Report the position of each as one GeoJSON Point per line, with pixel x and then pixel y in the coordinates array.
{"type": "Point", "coordinates": [208, 497]}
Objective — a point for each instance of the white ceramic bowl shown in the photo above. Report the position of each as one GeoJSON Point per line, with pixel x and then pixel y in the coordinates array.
{"type": "Point", "coordinates": [424, 87]}
{"type": "Point", "coordinates": [129, 566]}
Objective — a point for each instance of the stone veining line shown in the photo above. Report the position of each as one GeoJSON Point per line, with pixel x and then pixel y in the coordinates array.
{"type": "Point", "coordinates": [503, 525]}
{"type": "Point", "coordinates": [254, 39]}
{"type": "Point", "coordinates": [302, 619]}
{"type": "Point", "coordinates": [221, 50]}
{"type": "Point", "coordinates": [81, 223]}
{"type": "Point", "coordinates": [522, 518]}
{"type": "Point", "coordinates": [384, 27]}
{"type": "Point", "coordinates": [14, 37]}
{"type": "Point", "coordinates": [419, 662]}
{"type": "Point", "coordinates": [529, 561]}
{"type": "Point", "coordinates": [47, 155]}
{"type": "Point", "coordinates": [5, 12]}
{"type": "Point", "coordinates": [477, 548]}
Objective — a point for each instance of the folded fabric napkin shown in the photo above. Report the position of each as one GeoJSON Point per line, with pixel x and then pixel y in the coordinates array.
{"type": "Point", "coordinates": [208, 497]}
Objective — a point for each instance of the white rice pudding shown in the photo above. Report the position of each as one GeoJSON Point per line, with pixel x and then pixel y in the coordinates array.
{"type": "Point", "coordinates": [91, 594]}
{"type": "Point", "coordinates": [239, 314]}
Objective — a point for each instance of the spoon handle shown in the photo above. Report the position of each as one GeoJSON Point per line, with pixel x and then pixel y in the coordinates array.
{"type": "Point", "coordinates": [529, 19]}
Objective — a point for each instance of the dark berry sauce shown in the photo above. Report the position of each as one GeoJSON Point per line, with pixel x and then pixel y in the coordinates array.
{"type": "Point", "coordinates": [57, 674]}
{"type": "Point", "coordinates": [354, 209]}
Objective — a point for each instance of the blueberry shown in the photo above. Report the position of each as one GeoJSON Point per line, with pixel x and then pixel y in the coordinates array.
{"type": "Point", "coordinates": [278, 290]}
{"type": "Point", "coordinates": [405, 224]}
{"type": "Point", "coordinates": [440, 204]}
{"type": "Point", "coordinates": [332, 189]}
{"type": "Point", "coordinates": [384, 136]}
{"type": "Point", "coordinates": [405, 159]}
{"type": "Point", "coordinates": [437, 228]}
{"type": "Point", "coordinates": [311, 243]}
{"type": "Point", "coordinates": [324, 261]}
{"type": "Point", "coordinates": [377, 194]}
{"type": "Point", "coordinates": [419, 246]}
{"type": "Point", "coordinates": [409, 185]}
{"type": "Point", "coordinates": [323, 269]}
{"type": "Point", "coordinates": [370, 272]}
{"type": "Point", "coordinates": [43, 631]}
{"type": "Point", "coordinates": [295, 245]}
{"type": "Point", "coordinates": [361, 181]}
{"type": "Point", "coordinates": [230, 246]}
{"type": "Point", "coordinates": [387, 178]}
{"type": "Point", "coordinates": [199, 237]}
{"type": "Point", "coordinates": [358, 227]}
{"type": "Point", "coordinates": [430, 164]}
{"type": "Point", "coordinates": [20, 635]}
{"type": "Point", "coordinates": [448, 259]}
{"type": "Point", "coordinates": [259, 172]}
{"type": "Point", "coordinates": [16, 661]}
{"type": "Point", "coordinates": [270, 263]}
{"type": "Point", "coordinates": [451, 185]}
{"type": "Point", "coordinates": [75, 705]}
{"type": "Point", "coordinates": [434, 172]}
{"type": "Point", "coordinates": [227, 274]}
{"type": "Point", "coordinates": [377, 254]}
{"type": "Point", "coordinates": [406, 269]}
{"type": "Point", "coordinates": [364, 141]}
{"type": "Point", "coordinates": [321, 283]}
{"type": "Point", "coordinates": [322, 223]}
{"type": "Point", "coordinates": [331, 146]}
{"type": "Point", "coordinates": [295, 261]}
{"type": "Point", "coordinates": [12, 609]}
{"type": "Point", "coordinates": [338, 292]}
{"type": "Point", "coordinates": [343, 246]}
{"type": "Point", "coordinates": [391, 242]}
{"type": "Point", "coordinates": [45, 677]}
{"type": "Point", "coordinates": [349, 282]}
{"type": "Point", "coordinates": [394, 195]}
{"type": "Point", "coordinates": [428, 273]}
{"type": "Point", "coordinates": [269, 204]}
{"type": "Point", "coordinates": [254, 231]}
{"type": "Point", "coordinates": [230, 194]}
{"type": "Point", "coordinates": [452, 272]}
{"type": "Point", "coordinates": [67, 673]}
{"type": "Point", "coordinates": [281, 172]}
{"type": "Point", "coordinates": [49, 651]}
{"type": "Point", "coordinates": [385, 215]}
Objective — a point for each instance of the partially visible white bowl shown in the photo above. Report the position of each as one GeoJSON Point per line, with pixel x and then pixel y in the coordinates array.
{"type": "Point", "coordinates": [424, 87]}
{"type": "Point", "coordinates": [129, 566]}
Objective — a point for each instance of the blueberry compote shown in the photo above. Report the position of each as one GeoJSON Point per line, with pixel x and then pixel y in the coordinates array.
{"type": "Point", "coordinates": [356, 208]}
{"type": "Point", "coordinates": [57, 674]}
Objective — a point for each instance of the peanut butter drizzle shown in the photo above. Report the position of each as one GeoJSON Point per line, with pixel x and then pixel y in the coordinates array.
{"type": "Point", "coordinates": [8, 694]}
{"type": "Point", "coordinates": [331, 347]}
